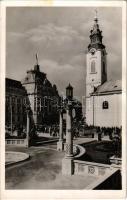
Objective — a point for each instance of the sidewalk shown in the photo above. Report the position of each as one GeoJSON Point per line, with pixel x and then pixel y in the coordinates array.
{"type": "Point", "coordinates": [83, 140]}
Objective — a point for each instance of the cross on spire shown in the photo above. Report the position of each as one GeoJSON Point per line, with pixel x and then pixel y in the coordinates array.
{"type": "Point", "coordinates": [96, 18]}
{"type": "Point", "coordinates": [96, 34]}
{"type": "Point", "coordinates": [95, 13]}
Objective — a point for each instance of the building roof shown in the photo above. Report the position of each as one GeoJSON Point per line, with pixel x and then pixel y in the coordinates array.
{"type": "Point", "coordinates": [13, 83]}
{"type": "Point", "coordinates": [109, 87]}
{"type": "Point", "coordinates": [69, 86]}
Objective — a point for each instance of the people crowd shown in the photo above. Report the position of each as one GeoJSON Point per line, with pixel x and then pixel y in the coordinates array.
{"type": "Point", "coordinates": [111, 131]}
{"type": "Point", "coordinates": [53, 130]}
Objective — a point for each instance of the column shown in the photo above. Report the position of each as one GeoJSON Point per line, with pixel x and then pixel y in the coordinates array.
{"type": "Point", "coordinates": [27, 129]}
{"type": "Point", "coordinates": [69, 139]}
{"type": "Point", "coordinates": [67, 162]}
{"type": "Point", "coordinates": [60, 144]}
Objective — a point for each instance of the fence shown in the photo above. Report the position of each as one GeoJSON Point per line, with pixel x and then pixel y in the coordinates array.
{"type": "Point", "coordinates": [91, 168]}
{"type": "Point", "coordinates": [108, 177]}
{"type": "Point", "coordinates": [17, 142]}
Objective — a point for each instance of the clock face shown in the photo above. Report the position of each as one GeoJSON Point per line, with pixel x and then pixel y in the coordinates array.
{"type": "Point", "coordinates": [92, 51]}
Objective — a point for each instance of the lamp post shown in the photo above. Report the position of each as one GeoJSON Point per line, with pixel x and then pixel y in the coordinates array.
{"type": "Point", "coordinates": [27, 126]}
{"type": "Point", "coordinates": [60, 144]}
{"type": "Point", "coordinates": [67, 162]}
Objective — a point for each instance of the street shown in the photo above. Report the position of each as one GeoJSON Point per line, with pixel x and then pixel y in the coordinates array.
{"type": "Point", "coordinates": [42, 171]}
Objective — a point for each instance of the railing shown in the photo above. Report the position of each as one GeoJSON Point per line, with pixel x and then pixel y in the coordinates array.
{"type": "Point", "coordinates": [108, 177]}
{"type": "Point", "coordinates": [90, 168]}
{"type": "Point", "coordinates": [19, 142]}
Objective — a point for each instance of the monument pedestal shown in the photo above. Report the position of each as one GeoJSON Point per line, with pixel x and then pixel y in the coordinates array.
{"type": "Point", "coordinates": [60, 145]}
{"type": "Point", "coordinates": [67, 166]}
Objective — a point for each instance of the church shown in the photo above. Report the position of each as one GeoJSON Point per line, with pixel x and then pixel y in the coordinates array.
{"type": "Point", "coordinates": [103, 98]}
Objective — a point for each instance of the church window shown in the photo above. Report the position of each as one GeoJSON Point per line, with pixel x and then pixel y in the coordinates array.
{"type": "Point", "coordinates": [94, 39]}
{"type": "Point", "coordinates": [93, 67]}
{"type": "Point", "coordinates": [105, 105]}
{"type": "Point", "coordinates": [103, 68]}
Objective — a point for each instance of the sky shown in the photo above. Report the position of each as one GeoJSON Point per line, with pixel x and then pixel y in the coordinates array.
{"type": "Point", "coordinates": [60, 36]}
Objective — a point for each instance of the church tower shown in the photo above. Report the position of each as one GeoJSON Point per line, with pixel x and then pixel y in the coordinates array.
{"type": "Point", "coordinates": [96, 60]}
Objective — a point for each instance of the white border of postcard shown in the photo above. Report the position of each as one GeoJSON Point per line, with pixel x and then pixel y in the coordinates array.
{"type": "Point", "coordinates": [59, 194]}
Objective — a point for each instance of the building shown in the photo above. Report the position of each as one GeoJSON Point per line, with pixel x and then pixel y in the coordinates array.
{"type": "Point", "coordinates": [14, 106]}
{"type": "Point", "coordinates": [103, 98]}
{"type": "Point", "coordinates": [34, 92]}
{"type": "Point", "coordinates": [43, 97]}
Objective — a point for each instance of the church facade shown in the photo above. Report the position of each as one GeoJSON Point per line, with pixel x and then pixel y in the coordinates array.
{"type": "Point", "coordinates": [103, 98]}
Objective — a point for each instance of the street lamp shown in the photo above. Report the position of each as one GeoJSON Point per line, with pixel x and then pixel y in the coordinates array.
{"type": "Point", "coordinates": [69, 92]}
{"type": "Point", "coordinates": [28, 125]}
{"type": "Point", "coordinates": [67, 162]}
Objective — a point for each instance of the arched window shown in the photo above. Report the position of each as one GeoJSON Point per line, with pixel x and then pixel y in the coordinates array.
{"type": "Point", "coordinates": [93, 67]}
{"type": "Point", "coordinates": [103, 67]}
{"type": "Point", "coordinates": [105, 105]}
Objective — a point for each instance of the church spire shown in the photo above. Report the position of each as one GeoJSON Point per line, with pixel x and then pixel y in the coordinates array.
{"type": "Point", "coordinates": [96, 35]}
{"type": "Point", "coordinates": [96, 25]}
{"type": "Point", "coordinates": [95, 18]}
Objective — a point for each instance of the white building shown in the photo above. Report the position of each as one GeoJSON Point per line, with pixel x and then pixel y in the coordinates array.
{"type": "Point", "coordinates": [103, 98]}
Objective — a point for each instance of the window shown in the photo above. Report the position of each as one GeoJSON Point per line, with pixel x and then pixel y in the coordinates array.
{"type": "Point", "coordinates": [19, 101]}
{"type": "Point", "coordinates": [93, 67]}
{"type": "Point", "coordinates": [18, 119]}
{"type": "Point", "coordinates": [13, 109]}
{"type": "Point", "coordinates": [13, 99]}
{"type": "Point", "coordinates": [94, 39]}
{"type": "Point", "coordinates": [18, 109]}
{"type": "Point", "coordinates": [7, 99]}
{"type": "Point", "coordinates": [103, 68]}
{"type": "Point", "coordinates": [105, 105]}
